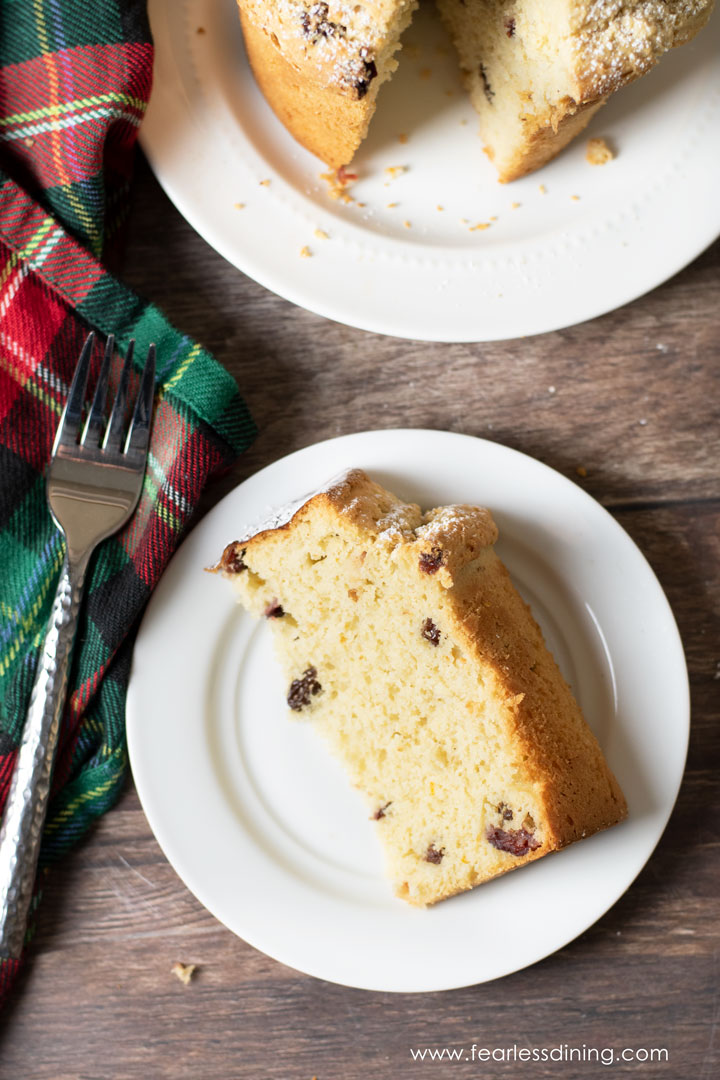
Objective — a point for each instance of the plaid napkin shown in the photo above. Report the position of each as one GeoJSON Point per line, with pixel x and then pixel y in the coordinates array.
{"type": "Point", "coordinates": [74, 82]}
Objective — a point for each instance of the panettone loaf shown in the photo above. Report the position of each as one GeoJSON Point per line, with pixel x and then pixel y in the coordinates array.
{"type": "Point", "coordinates": [406, 646]}
{"type": "Point", "coordinates": [536, 70]}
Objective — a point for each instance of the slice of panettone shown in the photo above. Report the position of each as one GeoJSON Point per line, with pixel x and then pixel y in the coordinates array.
{"type": "Point", "coordinates": [406, 646]}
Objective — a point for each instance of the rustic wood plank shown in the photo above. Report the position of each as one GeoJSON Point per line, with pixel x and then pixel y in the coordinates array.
{"type": "Point", "coordinates": [98, 1000]}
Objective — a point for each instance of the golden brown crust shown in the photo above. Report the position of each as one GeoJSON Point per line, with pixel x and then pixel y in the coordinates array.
{"type": "Point", "coordinates": [544, 139]}
{"type": "Point", "coordinates": [580, 793]}
{"type": "Point", "coordinates": [324, 120]}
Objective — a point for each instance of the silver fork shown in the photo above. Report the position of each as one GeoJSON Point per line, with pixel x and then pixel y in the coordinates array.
{"type": "Point", "coordinates": [93, 486]}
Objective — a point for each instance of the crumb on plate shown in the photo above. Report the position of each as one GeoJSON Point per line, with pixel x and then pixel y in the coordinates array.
{"type": "Point", "coordinates": [598, 152]}
{"type": "Point", "coordinates": [337, 183]}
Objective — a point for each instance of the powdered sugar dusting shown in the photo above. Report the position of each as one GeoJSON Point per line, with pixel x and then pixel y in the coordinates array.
{"type": "Point", "coordinates": [342, 40]}
{"type": "Point", "coordinates": [276, 516]}
{"type": "Point", "coordinates": [616, 41]}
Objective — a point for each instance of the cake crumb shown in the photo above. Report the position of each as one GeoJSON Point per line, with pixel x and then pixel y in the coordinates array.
{"type": "Point", "coordinates": [391, 205]}
{"type": "Point", "coordinates": [305, 252]}
{"type": "Point", "coordinates": [575, 198]}
{"type": "Point", "coordinates": [321, 234]}
{"type": "Point", "coordinates": [542, 189]}
{"type": "Point", "coordinates": [407, 224]}
{"type": "Point", "coordinates": [184, 972]}
{"type": "Point", "coordinates": [439, 207]}
{"type": "Point", "coordinates": [402, 137]}
{"type": "Point", "coordinates": [480, 227]}
{"type": "Point", "coordinates": [581, 471]}
{"type": "Point", "coordinates": [265, 183]}
{"type": "Point", "coordinates": [239, 205]}
{"type": "Point", "coordinates": [515, 206]}
{"type": "Point", "coordinates": [393, 171]}
{"type": "Point", "coordinates": [598, 152]}
{"type": "Point", "coordinates": [463, 221]}
{"type": "Point", "coordinates": [338, 182]}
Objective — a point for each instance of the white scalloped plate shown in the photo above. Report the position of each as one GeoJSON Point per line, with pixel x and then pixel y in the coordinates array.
{"type": "Point", "coordinates": [263, 826]}
{"type": "Point", "coordinates": [597, 238]}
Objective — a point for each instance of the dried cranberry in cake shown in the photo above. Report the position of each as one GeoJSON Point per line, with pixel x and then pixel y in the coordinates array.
{"type": "Point", "coordinates": [514, 841]}
{"type": "Point", "coordinates": [361, 72]}
{"type": "Point", "coordinates": [509, 24]}
{"type": "Point", "coordinates": [430, 632]}
{"type": "Point", "coordinates": [505, 812]}
{"type": "Point", "coordinates": [489, 92]}
{"type": "Point", "coordinates": [434, 855]}
{"type": "Point", "coordinates": [232, 557]}
{"type": "Point", "coordinates": [380, 812]}
{"type": "Point", "coordinates": [302, 689]}
{"type": "Point", "coordinates": [273, 610]}
{"type": "Point", "coordinates": [431, 561]}
{"type": "Point", "coordinates": [315, 24]}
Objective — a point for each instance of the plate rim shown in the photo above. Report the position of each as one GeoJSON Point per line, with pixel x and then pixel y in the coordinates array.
{"type": "Point", "coordinates": [686, 233]}
{"type": "Point", "coordinates": [178, 859]}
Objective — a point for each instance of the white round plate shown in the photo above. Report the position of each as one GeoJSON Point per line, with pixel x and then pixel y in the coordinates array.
{"type": "Point", "coordinates": [262, 825]}
{"type": "Point", "coordinates": [594, 238]}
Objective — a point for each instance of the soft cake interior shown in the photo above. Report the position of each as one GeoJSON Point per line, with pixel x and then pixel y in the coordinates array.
{"type": "Point", "coordinates": [518, 63]}
{"type": "Point", "coordinates": [375, 657]}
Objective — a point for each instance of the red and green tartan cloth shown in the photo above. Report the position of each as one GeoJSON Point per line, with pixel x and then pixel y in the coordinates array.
{"type": "Point", "coordinates": [75, 79]}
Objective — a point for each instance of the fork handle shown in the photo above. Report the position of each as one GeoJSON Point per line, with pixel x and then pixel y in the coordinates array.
{"type": "Point", "coordinates": [22, 825]}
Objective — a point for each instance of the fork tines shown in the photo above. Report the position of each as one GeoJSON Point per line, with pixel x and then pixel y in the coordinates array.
{"type": "Point", "coordinates": [95, 434]}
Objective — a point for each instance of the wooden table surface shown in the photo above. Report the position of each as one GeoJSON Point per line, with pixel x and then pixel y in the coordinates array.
{"type": "Point", "coordinates": [637, 405]}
